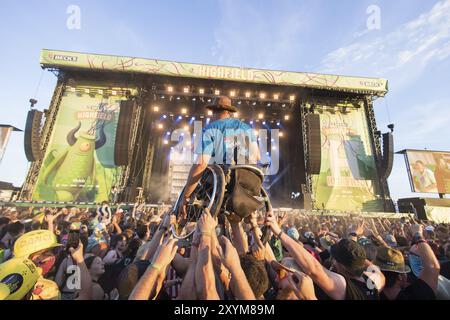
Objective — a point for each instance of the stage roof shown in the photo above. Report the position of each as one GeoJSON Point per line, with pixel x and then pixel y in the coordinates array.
{"type": "Point", "coordinates": [65, 60]}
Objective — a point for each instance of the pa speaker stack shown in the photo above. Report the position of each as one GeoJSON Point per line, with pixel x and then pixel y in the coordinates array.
{"type": "Point", "coordinates": [123, 133]}
{"type": "Point", "coordinates": [314, 143]}
{"type": "Point", "coordinates": [32, 137]}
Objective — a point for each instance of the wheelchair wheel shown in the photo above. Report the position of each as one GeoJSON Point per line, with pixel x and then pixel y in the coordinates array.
{"type": "Point", "coordinates": [209, 193]}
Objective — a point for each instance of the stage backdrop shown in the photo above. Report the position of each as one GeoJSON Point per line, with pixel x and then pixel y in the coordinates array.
{"type": "Point", "coordinates": [348, 177]}
{"type": "Point", "coordinates": [79, 161]}
{"type": "Point", "coordinates": [429, 171]}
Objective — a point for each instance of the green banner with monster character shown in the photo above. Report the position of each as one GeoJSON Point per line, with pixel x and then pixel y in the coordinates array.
{"type": "Point", "coordinates": [79, 162]}
{"type": "Point", "coordinates": [348, 176]}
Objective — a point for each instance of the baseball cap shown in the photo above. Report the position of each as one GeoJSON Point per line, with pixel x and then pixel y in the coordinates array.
{"type": "Point", "coordinates": [293, 233]}
{"type": "Point", "coordinates": [35, 241]}
{"type": "Point", "coordinates": [350, 254]}
{"type": "Point", "coordinates": [389, 259]}
{"type": "Point", "coordinates": [429, 228]}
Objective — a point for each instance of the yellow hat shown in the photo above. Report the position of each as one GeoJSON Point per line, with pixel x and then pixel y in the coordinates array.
{"type": "Point", "coordinates": [45, 289]}
{"type": "Point", "coordinates": [34, 241]}
{"type": "Point", "coordinates": [17, 277]}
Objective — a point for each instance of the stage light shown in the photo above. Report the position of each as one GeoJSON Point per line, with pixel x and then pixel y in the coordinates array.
{"type": "Point", "coordinates": [178, 98]}
{"type": "Point", "coordinates": [160, 126]}
{"type": "Point", "coordinates": [276, 96]}
{"type": "Point", "coordinates": [274, 148]}
{"type": "Point", "coordinates": [164, 116]}
{"type": "Point", "coordinates": [262, 95]}
{"type": "Point", "coordinates": [292, 98]}
{"type": "Point", "coordinates": [186, 89]}
{"type": "Point", "coordinates": [156, 108]}
{"type": "Point", "coordinates": [286, 117]}
{"type": "Point", "coordinates": [236, 114]}
{"type": "Point", "coordinates": [391, 127]}
{"type": "Point", "coordinates": [180, 117]}
{"type": "Point", "coordinates": [239, 102]}
{"type": "Point", "coordinates": [169, 89]}
{"type": "Point", "coordinates": [283, 105]}
{"type": "Point", "coordinates": [201, 91]}
{"type": "Point", "coordinates": [232, 93]}
{"type": "Point", "coordinates": [280, 134]}
{"type": "Point", "coordinates": [248, 94]}
{"type": "Point", "coordinates": [166, 142]}
{"type": "Point", "coordinates": [210, 113]}
{"type": "Point", "coordinates": [186, 128]}
{"type": "Point", "coordinates": [163, 97]}
{"type": "Point", "coordinates": [264, 123]}
{"type": "Point", "coordinates": [256, 132]}
{"type": "Point", "coordinates": [216, 92]}
{"type": "Point", "coordinates": [168, 133]}
{"type": "Point", "coordinates": [251, 122]}
{"type": "Point", "coordinates": [193, 118]}
{"type": "Point", "coordinates": [209, 100]}
{"type": "Point", "coordinates": [254, 103]}
{"type": "Point", "coordinates": [193, 99]}
{"type": "Point", "coordinates": [114, 92]}
{"type": "Point", "coordinates": [188, 143]}
{"type": "Point", "coordinates": [100, 91]}
{"type": "Point", "coordinates": [87, 90]}
{"type": "Point", "coordinates": [269, 104]}
{"type": "Point", "coordinates": [261, 116]}
{"type": "Point", "coordinates": [183, 111]}
{"type": "Point", "coordinates": [207, 120]}
{"type": "Point", "coordinates": [278, 124]}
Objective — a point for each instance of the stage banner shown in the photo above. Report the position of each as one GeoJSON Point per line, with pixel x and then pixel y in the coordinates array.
{"type": "Point", "coordinates": [348, 176]}
{"type": "Point", "coordinates": [438, 214]}
{"type": "Point", "coordinates": [429, 171]}
{"type": "Point", "coordinates": [5, 132]}
{"type": "Point", "coordinates": [79, 162]}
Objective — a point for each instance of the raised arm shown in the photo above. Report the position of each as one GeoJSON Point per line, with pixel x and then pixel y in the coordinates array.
{"type": "Point", "coordinates": [238, 284]}
{"type": "Point", "coordinates": [205, 281]}
{"type": "Point", "coordinates": [148, 285]}
{"type": "Point", "coordinates": [332, 283]}
{"type": "Point", "coordinates": [431, 267]}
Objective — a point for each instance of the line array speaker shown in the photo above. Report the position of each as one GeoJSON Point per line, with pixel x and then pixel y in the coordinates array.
{"type": "Point", "coordinates": [123, 132]}
{"type": "Point", "coordinates": [32, 135]}
{"type": "Point", "coordinates": [314, 143]}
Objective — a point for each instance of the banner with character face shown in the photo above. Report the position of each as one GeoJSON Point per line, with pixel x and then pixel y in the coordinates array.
{"type": "Point", "coordinates": [79, 161]}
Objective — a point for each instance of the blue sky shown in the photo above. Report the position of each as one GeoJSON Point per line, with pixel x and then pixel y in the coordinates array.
{"type": "Point", "coordinates": [411, 50]}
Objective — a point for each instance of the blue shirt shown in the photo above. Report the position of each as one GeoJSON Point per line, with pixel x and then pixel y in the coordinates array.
{"type": "Point", "coordinates": [220, 138]}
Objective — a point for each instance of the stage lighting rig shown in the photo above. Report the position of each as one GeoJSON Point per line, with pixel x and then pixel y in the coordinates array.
{"type": "Point", "coordinates": [32, 103]}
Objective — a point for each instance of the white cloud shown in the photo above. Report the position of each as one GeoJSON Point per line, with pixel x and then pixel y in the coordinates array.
{"type": "Point", "coordinates": [412, 45]}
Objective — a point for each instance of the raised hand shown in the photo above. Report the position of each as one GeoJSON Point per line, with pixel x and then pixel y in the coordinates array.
{"type": "Point", "coordinates": [77, 253]}
{"type": "Point", "coordinates": [228, 254]}
{"type": "Point", "coordinates": [165, 253]}
{"type": "Point", "coordinates": [272, 223]}
{"type": "Point", "coordinates": [206, 223]}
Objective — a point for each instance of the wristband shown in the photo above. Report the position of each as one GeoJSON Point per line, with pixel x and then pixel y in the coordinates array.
{"type": "Point", "coordinates": [279, 234]}
{"type": "Point", "coordinates": [155, 266]}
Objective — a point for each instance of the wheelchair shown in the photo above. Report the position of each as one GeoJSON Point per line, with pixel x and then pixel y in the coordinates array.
{"type": "Point", "coordinates": [224, 190]}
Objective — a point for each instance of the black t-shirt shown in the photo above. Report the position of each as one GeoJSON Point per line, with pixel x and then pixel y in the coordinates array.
{"type": "Point", "coordinates": [357, 290]}
{"type": "Point", "coordinates": [417, 290]}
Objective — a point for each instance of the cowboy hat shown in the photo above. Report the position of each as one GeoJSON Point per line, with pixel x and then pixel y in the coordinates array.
{"type": "Point", "coordinates": [222, 102]}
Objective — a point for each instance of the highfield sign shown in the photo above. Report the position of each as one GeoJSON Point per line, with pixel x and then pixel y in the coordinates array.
{"type": "Point", "coordinates": [99, 62]}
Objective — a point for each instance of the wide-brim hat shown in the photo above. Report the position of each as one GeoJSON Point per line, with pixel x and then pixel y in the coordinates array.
{"type": "Point", "coordinates": [389, 259]}
{"type": "Point", "coordinates": [222, 103]}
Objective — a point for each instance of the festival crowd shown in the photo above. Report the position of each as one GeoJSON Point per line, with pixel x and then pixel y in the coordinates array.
{"type": "Point", "coordinates": [96, 254]}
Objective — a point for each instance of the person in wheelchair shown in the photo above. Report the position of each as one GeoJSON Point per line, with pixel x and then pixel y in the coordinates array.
{"type": "Point", "coordinates": [227, 142]}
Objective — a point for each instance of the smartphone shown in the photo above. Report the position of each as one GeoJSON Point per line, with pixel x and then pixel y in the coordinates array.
{"type": "Point", "coordinates": [73, 240]}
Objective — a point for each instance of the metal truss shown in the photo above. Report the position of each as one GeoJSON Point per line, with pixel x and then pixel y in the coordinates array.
{"type": "Point", "coordinates": [50, 118]}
